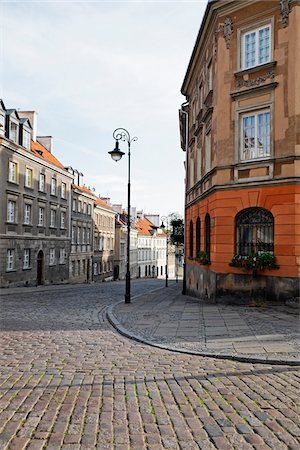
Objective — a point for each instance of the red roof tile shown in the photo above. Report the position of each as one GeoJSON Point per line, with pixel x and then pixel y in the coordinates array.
{"type": "Point", "coordinates": [39, 150]}
{"type": "Point", "coordinates": [145, 227]}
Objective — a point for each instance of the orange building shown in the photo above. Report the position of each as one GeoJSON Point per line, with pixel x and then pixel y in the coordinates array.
{"type": "Point", "coordinates": [240, 128]}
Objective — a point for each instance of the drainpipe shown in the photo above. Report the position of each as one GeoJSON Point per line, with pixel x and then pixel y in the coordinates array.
{"type": "Point", "coordinates": [185, 104]}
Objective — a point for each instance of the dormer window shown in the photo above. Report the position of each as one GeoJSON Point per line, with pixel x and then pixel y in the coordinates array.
{"type": "Point", "coordinates": [26, 139]}
{"type": "Point", "coordinates": [13, 131]}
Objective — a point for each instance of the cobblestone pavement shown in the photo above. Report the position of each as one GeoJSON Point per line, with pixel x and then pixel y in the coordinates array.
{"type": "Point", "coordinates": [170, 320]}
{"type": "Point", "coordinates": [69, 380]}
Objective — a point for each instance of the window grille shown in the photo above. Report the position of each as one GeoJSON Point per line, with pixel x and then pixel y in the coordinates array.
{"type": "Point", "coordinates": [198, 235]}
{"type": "Point", "coordinates": [207, 234]}
{"type": "Point", "coordinates": [254, 232]}
{"type": "Point", "coordinates": [191, 239]}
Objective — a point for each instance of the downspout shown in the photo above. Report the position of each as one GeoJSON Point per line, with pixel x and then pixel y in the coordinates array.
{"type": "Point", "coordinates": [185, 104]}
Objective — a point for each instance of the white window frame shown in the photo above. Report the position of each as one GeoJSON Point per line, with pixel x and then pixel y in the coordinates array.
{"type": "Point", "coordinates": [53, 218]}
{"type": "Point", "coordinates": [254, 113]}
{"type": "Point", "coordinates": [26, 258]}
{"type": "Point", "coordinates": [11, 211]}
{"type": "Point", "coordinates": [63, 220]}
{"type": "Point", "coordinates": [79, 206]}
{"type": "Point", "coordinates": [26, 138]}
{"type": "Point", "coordinates": [16, 128]}
{"type": "Point", "coordinates": [243, 45]}
{"type": "Point", "coordinates": [63, 190]}
{"type": "Point", "coordinates": [10, 259]}
{"type": "Point", "coordinates": [53, 189]}
{"type": "Point", "coordinates": [42, 182]}
{"type": "Point", "coordinates": [41, 219]}
{"type": "Point", "coordinates": [28, 177]}
{"type": "Point", "coordinates": [62, 256]}
{"type": "Point", "coordinates": [52, 257]}
{"type": "Point", "coordinates": [208, 146]}
{"type": "Point", "coordinates": [13, 172]}
{"type": "Point", "coordinates": [27, 214]}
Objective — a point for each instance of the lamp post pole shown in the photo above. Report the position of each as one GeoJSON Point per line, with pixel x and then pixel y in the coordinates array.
{"type": "Point", "coordinates": [120, 134]}
{"type": "Point", "coordinates": [166, 219]}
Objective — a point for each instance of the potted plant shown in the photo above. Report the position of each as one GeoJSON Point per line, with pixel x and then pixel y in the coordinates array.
{"type": "Point", "coordinates": [255, 262]}
{"type": "Point", "coordinates": [203, 258]}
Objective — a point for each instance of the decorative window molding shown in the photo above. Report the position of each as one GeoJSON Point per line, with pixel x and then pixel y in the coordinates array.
{"type": "Point", "coordinates": [227, 31]}
{"type": "Point", "coordinates": [285, 9]}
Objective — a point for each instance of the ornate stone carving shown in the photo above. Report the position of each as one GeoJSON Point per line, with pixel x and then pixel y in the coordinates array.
{"type": "Point", "coordinates": [285, 6]}
{"type": "Point", "coordinates": [240, 82]}
{"type": "Point", "coordinates": [227, 31]}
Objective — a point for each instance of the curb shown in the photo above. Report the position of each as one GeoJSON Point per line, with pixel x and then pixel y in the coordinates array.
{"type": "Point", "coordinates": [238, 357]}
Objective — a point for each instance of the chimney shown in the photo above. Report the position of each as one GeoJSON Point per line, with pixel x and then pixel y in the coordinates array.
{"type": "Point", "coordinates": [46, 141]}
{"type": "Point", "coordinates": [32, 116]}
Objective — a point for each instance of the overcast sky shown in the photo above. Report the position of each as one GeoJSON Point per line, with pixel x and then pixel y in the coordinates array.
{"type": "Point", "coordinates": [90, 67]}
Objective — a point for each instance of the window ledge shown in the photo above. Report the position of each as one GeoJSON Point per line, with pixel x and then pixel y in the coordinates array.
{"type": "Point", "coordinates": [16, 183]}
{"type": "Point", "coordinates": [269, 65]}
{"type": "Point", "coordinates": [10, 270]}
{"type": "Point", "coordinates": [27, 268]}
{"type": "Point", "coordinates": [11, 223]}
{"type": "Point", "coordinates": [28, 187]}
{"type": "Point", "coordinates": [27, 225]}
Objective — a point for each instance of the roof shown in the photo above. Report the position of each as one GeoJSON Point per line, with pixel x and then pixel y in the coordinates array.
{"type": "Point", "coordinates": [39, 150]}
{"type": "Point", "coordinates": [97, 200]}
{"type": "Point", "coordinates": [101, 202]}
{"type": "Point", "coordinates": [145, 227]}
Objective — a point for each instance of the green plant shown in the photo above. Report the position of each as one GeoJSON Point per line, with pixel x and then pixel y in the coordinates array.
{"type": "Point", "coordinates": [255, 262]}
{"type": "Point", "coordinates": [203, 258]}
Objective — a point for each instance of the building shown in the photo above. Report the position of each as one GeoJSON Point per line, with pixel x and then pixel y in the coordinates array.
{"type": "Point", "coordinates": [243, 144]}
{"type": "Point", "coordinates": [104, 240]}
{"type": "Point", "coordinates": [120, 259]}
{"type": "Point", "coordinates": [35, 193]}
{"type": "Point", "coordinates": [82, 229]}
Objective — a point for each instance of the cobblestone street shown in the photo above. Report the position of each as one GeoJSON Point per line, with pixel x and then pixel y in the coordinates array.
{"type": "Point", "coordinates": [70, 381]}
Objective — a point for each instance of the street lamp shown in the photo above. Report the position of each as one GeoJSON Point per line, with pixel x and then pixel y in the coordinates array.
{"type": "Point", "coordinates": [120, 134]}
{"type": "Point", "coordinates": [166, 219]}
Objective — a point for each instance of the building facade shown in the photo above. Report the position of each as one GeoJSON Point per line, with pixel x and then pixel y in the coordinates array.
{"type": "Point", "coordinates": [82, 228]}
{"type": "Point", "coordinates": [35, 193]}
{"type": "Point", "coordinates": [104, 241]}
{"type": "Point", "coordinates": [243, 145]}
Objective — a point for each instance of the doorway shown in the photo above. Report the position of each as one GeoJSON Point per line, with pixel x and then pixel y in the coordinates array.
{"type": "Point", "coordinates": [40, 268]}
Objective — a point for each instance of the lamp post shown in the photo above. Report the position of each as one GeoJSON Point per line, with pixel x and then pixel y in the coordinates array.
{"type": "Point", "coordinates": [166, 219]}
{"type": "Point", "coordinates": [120, 134]}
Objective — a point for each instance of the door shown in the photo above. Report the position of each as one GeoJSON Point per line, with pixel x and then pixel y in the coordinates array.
{"type": "Point", "coordinates": [40, 267]}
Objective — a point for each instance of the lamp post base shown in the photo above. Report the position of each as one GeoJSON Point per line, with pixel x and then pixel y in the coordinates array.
{"type": "Point", "coordinates": [127, 289]}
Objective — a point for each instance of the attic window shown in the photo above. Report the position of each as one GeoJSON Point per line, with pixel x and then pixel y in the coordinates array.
{"type": "Point", "coordinates": [40, 152]}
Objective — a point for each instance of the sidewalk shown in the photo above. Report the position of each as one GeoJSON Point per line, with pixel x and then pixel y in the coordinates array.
{"type": "Point", "coordinates": [167, 319]}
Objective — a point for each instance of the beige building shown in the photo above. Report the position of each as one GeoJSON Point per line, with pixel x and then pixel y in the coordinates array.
{"type": "Point", "coordinates": [104, 241]}
{"type": "Point", "coordinates": [243, 144]}
{"type": "Point", "coordinates": [82, 228]}
{"type": "Point", "coordinates": [35, 193]}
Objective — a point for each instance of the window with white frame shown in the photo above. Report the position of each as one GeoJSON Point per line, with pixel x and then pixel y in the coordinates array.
{"type": "Point", "coordinates": [52, 218]}
{"type": "Point", "coordinates": [73, 234]}
{"type": "Point", "coordinates": [255, 135]}
{"type": "Point", "coordinates": [74, 204]}
{"type": "Point", "coordinates": [27, 214]}
{"type": "Point", "coordinates": [88, 236]}
{"type": "Point", "coordinates": [42, 180]}
{"type": "Point", "coordinates": [26, 139]}
{"type": "Point", "coordinates": [41, 221]}
{"type": "Point", "coordinates": [52, 257]}
{"type": "Point", "coordinates": [62, 256]}
{"type": "Point", "coordinates": [26, 258]}
{"type": "Point", "coordinates": [84, 208]}
{"type": "Point", "coordinates": [95, 269]}
{"type": "Point", "coordinates": [83, 235]}
{"type": "Point", "coordinates": [28, 177]}
{"type": "Point", "coordinates": [13, 172]}
{"type": "Point", "coordinates": [79, 206]}
{"type": "Point", "coordinates": [11, 211]}
{"type": "Point", "coordinates": [53, 186]}
{"type": "Point", "coordinates": [10, 259]}
{"type": "Point", "coordinates": [89, 209]}
{"type": "Point", "coordinates": [62, 219]}
{"type": "Point", "coordinates": [78, 235]}
{"type": "Point", "coordinates": [13, 132]}
{"type": "Point", "coordinates": [256, 47]}
{"type": "Point", "coordinates": [63, 190]}
{"type": "Point", "coordinates": [209, 77]}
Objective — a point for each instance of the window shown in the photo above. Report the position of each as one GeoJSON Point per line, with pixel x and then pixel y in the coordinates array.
{"type": "Point", "coordinates": [53, 186]}
{"type": "Point", "coordinates": [13, 172]}
{"type": "Point", "coordinates": [207, 152]}
{"type": "Point", "coordinates": [78, 235]}
{"type": "Point", "coordinates": [42, 180]}
{"type": "Point", "coordinates": [255, 135]}
{"type": "Point", "coordinates": [26, 258]}
{"type": "Point", "coordinates": [41, 221]}
{"type": "Point", "coordinates": [84, 208]}
{"type": "Point", "coordinates": [28, 178]}
{"type": "Point", "coordinates": [13, 132]}
{"type": "Point", "coordinates": [199, 157]}
{"type": "Point", "coordinates": [27, 214]}
{"type": "Point", "coordinates": [62, 219]}
{"type": "Point", "coordinates": [11, 211]}
{"type": "Point", "coordinates": [52, 257]}
{"type": "Point", "coordinates": [63, 190]}
{"type": "Point", "coordinates": [256, 47]}
{"type": "Point", "coordinates": [10, 259]}
{"type": "Point", "coordinates": [84, 235]}
{"type": "Point", "coordinates": [209, 77]}
{"type": "Point", "coordinates": [254, 231]}
{"type": "Point", "coordinates": [198, 235]}
{"type": "Point", "coordinates": [88, 236]}
{"type": "Point", "coordinates": [95, 269]}
{"type": "Point", "coordinates": [79, 206]}
{"type": "Point", "coordinates": [207, 235]}
{"type": "Point", "coordinates": [191, 239]}
{"type": "Point", "coordinates": [74, 205]}
{"type": "Point", "coordinates": [73, 234]}
{"type": "Point", "coordinates": [52, 218]}
{"type": "Point", "coordinates": [62, 256]}
{"type": "Point", "coordinates": [89, 209]}
{"type": "Point", "coordinates": [200, 97]}
{"type": "Point", "coordinates": [26, 139]}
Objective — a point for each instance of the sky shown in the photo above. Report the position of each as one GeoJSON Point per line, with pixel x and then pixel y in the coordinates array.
{"type": "Point", "coordinates": [88, 68]}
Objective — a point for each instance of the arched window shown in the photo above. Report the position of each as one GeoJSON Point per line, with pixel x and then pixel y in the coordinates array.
{"type": "Point", "coordinates": [191, 239]}
{"type": "Point", "coordinates": [198, 235]}
{"type": "Point", "coordinates": [207, 234]}
{"type": "Point", "coordinates": [254, 231]}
